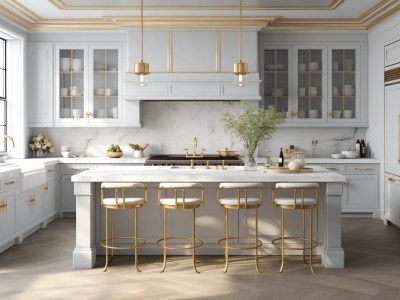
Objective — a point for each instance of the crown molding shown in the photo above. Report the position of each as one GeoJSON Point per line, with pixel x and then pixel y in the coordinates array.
{"type": "Point", "coordinates": [29, 20]}
{"type": "Point", "coordinates": [61, 5]}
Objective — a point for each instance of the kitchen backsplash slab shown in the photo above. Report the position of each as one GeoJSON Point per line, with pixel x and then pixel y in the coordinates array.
{"type": "Point", "coordinates": [170, 126]}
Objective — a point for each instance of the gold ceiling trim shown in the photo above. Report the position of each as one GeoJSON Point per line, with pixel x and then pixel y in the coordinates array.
{"type": "Point", "coordinates": [62, 6]}
{"type": "Point", "coordinates": [22, 9]}
{"type": "Point", "coordinates": [363, 22]}
{"type": "Point", "coordinates": [190, 22]}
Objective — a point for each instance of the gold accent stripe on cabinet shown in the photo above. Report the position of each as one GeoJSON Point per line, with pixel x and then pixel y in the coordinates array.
{"type": "Point", "coordinates": [392, 75]}
{"type": "Point", "coordinates": [218, 52]}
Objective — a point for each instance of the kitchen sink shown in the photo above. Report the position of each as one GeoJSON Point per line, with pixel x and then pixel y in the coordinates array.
{"type": "Point", "coordinates": [32, 178]}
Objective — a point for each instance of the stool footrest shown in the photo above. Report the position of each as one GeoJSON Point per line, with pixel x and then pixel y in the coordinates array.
{"type": "Point", "coordinates": [140, 243]}
{"type": "Point", "coordinates": [221, 243]}
{"type": "Point", "coordinates": [198, 243]}
{"type": "Point", "coordinates": [277, 243]}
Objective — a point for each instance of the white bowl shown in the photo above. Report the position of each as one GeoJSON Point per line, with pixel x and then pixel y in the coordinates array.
{"type": "Point", "coordinates": [350, 154]}
{"type": "Point", "coordinates": [338, 155]}
{"type": "Point", "coordinates": [65, 153]}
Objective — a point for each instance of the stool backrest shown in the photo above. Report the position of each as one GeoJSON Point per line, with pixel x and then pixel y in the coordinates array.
{"type": "Point", "coordinates": [297, 188]}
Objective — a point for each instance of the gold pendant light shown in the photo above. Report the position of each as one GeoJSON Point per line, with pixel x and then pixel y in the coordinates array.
{"type": "Point", "coordinates": [240, 69]}
{"type": "Point", "coordinates": [141, 68]}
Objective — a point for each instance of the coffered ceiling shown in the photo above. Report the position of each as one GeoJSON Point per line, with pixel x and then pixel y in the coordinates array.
{"type": "Point", "coordinates": [270, 14]}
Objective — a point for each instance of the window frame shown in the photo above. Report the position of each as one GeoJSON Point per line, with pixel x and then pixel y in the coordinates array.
{"type": "Point", "coordinates": [4, 58]}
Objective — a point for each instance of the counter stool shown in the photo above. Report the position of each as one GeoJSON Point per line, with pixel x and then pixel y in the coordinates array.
{"type": "Point", "coordinates": [120, 201]}
{"type": "Point", "coordinates": [241, 201]}
{"type": "Point", "coordinates": [180, 201]}
{"type": "Point", "coordinates": [298, 202]}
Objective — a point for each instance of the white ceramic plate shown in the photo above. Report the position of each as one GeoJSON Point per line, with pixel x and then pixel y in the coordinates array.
{"type": "Point", "coordinates": [338, 155]}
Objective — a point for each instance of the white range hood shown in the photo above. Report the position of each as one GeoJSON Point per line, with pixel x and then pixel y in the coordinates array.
{"type": "Point", "coordinates": [192, 65]}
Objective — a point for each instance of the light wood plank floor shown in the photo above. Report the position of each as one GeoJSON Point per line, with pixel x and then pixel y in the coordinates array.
{"type": "Point", "coordinates": [41, 268]}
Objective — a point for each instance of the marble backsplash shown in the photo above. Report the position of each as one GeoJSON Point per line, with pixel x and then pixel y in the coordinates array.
{"type": "Point", "coordinates": [170, 126]}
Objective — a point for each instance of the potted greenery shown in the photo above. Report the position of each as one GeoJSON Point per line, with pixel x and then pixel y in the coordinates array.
{"type": "Point", "coordinates": [114, 151]}
{"type": "Point", "coordinates": [254, 125]}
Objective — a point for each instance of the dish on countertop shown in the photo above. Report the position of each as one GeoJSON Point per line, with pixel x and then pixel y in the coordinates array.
{"type": "Point", "coordinates": [350, 154]}
{"type": "Point", "coordinates": [338, 155]}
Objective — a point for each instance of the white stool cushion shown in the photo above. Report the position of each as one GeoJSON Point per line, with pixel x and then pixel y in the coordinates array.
{"type": "Point", "coordinates": [290, 201]}
{"type": "Point", "coordinates": [234, 201]}
{"type": "Point", "coordinates": [120, 185]}
{"type": "Point", "coordinates": [239, 185]}
{"type": "Point", "coordinates": [296, 185]}
{"type": "Point", "coordinates": [128, 201]}
{"type": "Point", "coordinates": [188, 201]}
{"type": "Point", "coordinates": [172, 185]}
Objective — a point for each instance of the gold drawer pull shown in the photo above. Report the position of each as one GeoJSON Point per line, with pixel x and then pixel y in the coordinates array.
{"type": "Point", "coordinates": [32, 200]}
{"type": "Point", "coordinates": [46, 188]}
{"type": "Point", "coordinates": [50, 170]}
{"type": "Point", "coordinates": [346, 183]}
{"type": "Point", "coordinates": [391, 180]}
{"type": "Point", "coordinates": [9, 182]}
{"type": "Point", "coordinates": [362, 169]}
{"type": "Point", "coordinates": [332, 169]}
{"type": "Point", "coordinates": [79, 168]}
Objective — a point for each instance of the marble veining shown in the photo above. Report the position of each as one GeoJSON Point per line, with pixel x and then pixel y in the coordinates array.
{"type": "Point", "coordinates": [170, 126]}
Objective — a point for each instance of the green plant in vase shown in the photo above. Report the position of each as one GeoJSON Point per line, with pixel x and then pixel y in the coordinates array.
{"type": "Point", "coordinates": [254, 125]}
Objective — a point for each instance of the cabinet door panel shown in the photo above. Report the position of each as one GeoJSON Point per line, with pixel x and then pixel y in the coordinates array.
{"type": "Point", "coordinates": [392, 129]}
{"type": "Point", "coordinates": [8, 219]}
{"type": "Point", "coordinates": [361, 192]}
{"type": "Point", "coordinates": [67, 194]}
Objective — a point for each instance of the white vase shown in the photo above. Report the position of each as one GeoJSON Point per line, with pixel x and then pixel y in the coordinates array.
{"type": "Point", "coordinates": [138, 154]}
{"type": "Point", "coordinates": [39, 153]}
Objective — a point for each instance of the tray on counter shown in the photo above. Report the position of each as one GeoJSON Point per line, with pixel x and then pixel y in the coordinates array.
{"type": "Point", "coordinates": [285, 170]}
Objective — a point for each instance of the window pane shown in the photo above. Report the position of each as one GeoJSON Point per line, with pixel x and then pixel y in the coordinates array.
{"type": "Point", "coordinates": [2, 139]}
{"type": "Point", "coordinates": [2, 53]}
{"type": "Point", "coordinates": [3, 112]}
{"type": "Point", "coordinates": [2, 84]}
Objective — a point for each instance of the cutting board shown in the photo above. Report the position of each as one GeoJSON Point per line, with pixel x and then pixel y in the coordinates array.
{"type": "Point", "coordinates": [285, 170]}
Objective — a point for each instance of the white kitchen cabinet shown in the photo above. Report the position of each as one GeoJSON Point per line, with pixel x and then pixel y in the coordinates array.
{"type": "Point", "coordinates": [8, 209]}
{"type": "Point", "coordinates": [40, 85]}
{"type": "Point", "coordinates": [361, 188]}
{"type": "Point", "coordinates": [305, 82]}
{"type": "Point", "coordinates": [392, 199]}
{"type": "Point", "coordinates": [30, 208]}
{"type": "Point", "coordinates": [50, 207]}
{"type": "Point", "coordinates": [392, 55]}
{"type": "Point", "coordinates": [88, 85]}
{"type": "Point", "coordinates": [392, 129]}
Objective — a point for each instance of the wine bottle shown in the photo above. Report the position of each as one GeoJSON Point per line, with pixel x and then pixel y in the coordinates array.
{"type": "Point", "coordinates": [363, 149]}
{"type": "Point", "coordinates": [280, 161]}
{"type": "Point", "coordinates": [358, 148]}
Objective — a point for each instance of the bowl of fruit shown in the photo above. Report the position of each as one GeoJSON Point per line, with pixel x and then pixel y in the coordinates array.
{"type": "Point", "coordinates": [114, 151]}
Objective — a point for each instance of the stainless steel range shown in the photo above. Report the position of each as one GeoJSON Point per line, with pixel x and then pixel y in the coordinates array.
{"type": "Point", "coordinates": [181, 160]}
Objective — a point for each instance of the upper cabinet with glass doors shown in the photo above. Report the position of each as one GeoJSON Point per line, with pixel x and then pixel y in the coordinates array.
{"type": "Point", "coordinates": [88, 84]}
{"type": "Point", "coordinates": [316, 84]}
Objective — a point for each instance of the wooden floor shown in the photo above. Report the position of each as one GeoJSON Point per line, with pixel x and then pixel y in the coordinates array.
{"type": "Point", "coordinates": [41, 268]}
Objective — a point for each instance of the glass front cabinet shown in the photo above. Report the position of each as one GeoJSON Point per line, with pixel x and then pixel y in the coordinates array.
{"type": "Point", "coordinates": [311, 84]}
{"type": "Point", "coordinates": [88, 84]}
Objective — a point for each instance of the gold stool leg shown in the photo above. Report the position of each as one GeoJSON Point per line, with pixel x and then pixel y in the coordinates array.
{"type": "Point", "coordinates": [311, 243]}
{"type": "Point", "coordinates": [304, 234]}
{"type": "Point", "coordinates": [226, 241]}
{"type": "Point", "coordinates": [136, 242]}
{"type": "Point", "coordinates": [194, 239]}
{"type": "Point", "coordinates": [282, 239]}
{"type": "Point", "coordinates": [112, 235]}
{"type": "Point", "coordinates": [106, 264]}
{"type": "Point", "coordinates": [257, 267]}
{"type": "Point", "coordinates": [165, 240]}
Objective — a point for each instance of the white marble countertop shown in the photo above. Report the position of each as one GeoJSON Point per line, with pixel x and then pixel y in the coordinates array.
{"type": "Point", "coordinates": [199, 174]}
{"type": "Point", "coordinates": [329, 160]}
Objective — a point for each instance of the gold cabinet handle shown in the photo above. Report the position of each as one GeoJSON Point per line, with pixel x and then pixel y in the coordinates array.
{"type": "Point", "coordinates": [50, 170]}
{"type": "Point", "coordinates": [46, 188]}
{"type": "Point", "coordinates": [10, 182]}
{"type": "Point", "coordinates": [362, 169]}
{"type": "Point", "coordinates": [332, 169]}
{"type": "Point", "coordinates": [293, 114]}
{"type": "Point", "coordinates": [32, 200]}
{"type": "Point", "coordinates": [5, 206]}
{"type": "Point", "coordinates": [329, 113]}
{"type": "Point", "coordinates": [346, 183]}
{"type": "Point", "coordinates": [79, 168]}
{"type": "Point", "coordinates": [2, 205]}
{"type": "Point", "coordinates": [391, 179]}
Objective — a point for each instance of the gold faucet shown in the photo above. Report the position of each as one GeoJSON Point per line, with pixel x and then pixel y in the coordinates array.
{"type": "Point", "coordinates": [192, 164]}
{"type": "Point", "coordinates": [11, 139]}
{"type": "Point", "coordinates": [194, 154]}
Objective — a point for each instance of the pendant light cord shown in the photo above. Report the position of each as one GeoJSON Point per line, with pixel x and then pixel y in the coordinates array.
{"type": "Point", "coordinates": [240, 37]}
{"type": "Point", "coordinates": [141, 25]}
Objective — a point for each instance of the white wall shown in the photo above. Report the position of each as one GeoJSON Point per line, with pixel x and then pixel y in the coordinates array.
{"type": "Point", "coordinates": [378, 37]}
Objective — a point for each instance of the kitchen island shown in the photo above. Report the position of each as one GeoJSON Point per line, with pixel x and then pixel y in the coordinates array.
{"type": "Point", "coordinates": [89, 214]}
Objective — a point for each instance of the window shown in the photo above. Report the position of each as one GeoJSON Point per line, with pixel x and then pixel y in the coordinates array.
{"type": "Point", "coordinates": [3, 95]}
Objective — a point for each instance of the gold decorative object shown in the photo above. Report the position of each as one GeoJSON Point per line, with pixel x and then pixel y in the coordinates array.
{"type": "Point", "coordinates": [194, 154]}
{"type": "Point", "coordinates": [111, 154]}
{"type": "Point", "coordinates": [141, 68]}
{"type": "Point", "coordinates": [285, 170]}
{"type": "Point", "coordinates": [240, 69]}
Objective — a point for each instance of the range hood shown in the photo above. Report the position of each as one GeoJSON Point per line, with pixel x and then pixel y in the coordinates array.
{"type": "Point", "coordinates": [192, 65]}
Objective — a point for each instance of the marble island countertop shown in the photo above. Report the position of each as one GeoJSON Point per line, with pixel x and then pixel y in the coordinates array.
{"type": "Point", "coordinates": [199, 174]}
